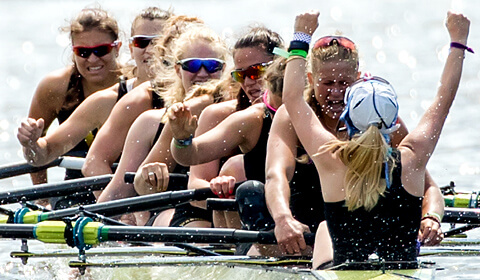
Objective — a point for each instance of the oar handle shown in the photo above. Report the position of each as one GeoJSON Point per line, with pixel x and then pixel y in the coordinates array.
{"type": "Point", "coordinates": [176, 179]}
{"type": "Point", "coordinates": [15, 169]}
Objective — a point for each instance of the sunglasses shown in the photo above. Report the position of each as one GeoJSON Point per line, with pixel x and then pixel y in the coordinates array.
{"type": "Point", "coordinates": [98, 50]}
{"type": "Point", "coordinates": [328, 41]}
{"type": "Point", "coordinates": [254, 72]}
{"type": "Point", "coordinates": [142, 41]}
{"type": "Point", "coordinates": [193, 65]}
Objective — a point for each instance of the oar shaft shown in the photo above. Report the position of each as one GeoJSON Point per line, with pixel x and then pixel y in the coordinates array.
{"type": "Point", "coordinates": [461, 215]}
{"type": "Point", "coordinates": [15, 169]}
{"type": "Point", "coordinates": [56, 189]}
{"type": "Point", "coordinates": [17, 231]}
{"type": "Point", "coordinates": [135, 204]}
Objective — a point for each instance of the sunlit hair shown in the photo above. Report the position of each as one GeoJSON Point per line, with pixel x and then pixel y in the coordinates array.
{"type": "Point", "coordinates": [173, 90]}
{"type": "Point", "coordinates": [274, 76]}
{"type": "Point", "coordinates": [364, 156]}
{"type": "Point", "coordinates": [87, 20]}
{"type": "Point", "coordinates": [323, 54]}
{"type": "Point", "coordinates": [260, 37]}
{"type": "Point", "coordinates": [149, 14]}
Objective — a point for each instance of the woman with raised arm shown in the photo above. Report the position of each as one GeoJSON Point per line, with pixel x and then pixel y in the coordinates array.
{"type": "Point", "coordinates": [94, 37]}
{"type": "Point", "coordinates": [366, 184]}
{"type": "Point", "coordinates": [108, 144]}
{"type": "Point", "coordinates": [200, 56]}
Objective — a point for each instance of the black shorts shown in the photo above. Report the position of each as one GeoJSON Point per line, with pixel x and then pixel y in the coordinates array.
{"type": "Point", "coordinates": [186, 213]}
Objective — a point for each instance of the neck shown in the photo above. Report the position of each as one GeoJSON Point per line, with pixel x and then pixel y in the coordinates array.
{"type": "Point", "coordinates": [272, 101]}
{"type": "Point", "coordinates": [90, 88]}
{"type": "Point", "coordinates": [330, 124]}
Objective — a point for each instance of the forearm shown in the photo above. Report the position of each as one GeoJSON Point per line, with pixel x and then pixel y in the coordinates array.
{"type": "Point", "coordinates": [433, 201]}
{"type": "Point", "coordinates": [277, 196]}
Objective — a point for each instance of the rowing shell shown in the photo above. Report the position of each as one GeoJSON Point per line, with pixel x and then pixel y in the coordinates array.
{"type": "Point", "coordinates": [245, 267]}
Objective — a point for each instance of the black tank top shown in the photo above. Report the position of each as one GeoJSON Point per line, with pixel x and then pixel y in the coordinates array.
{"type": "Point", "coordinates": [390, 229]}
{"type": "Point", "coordinates": [254, 160]}
{"type": "Point", "coordinates": [157, 101]}
{"type": "Point", "coordinates": [306, 194]}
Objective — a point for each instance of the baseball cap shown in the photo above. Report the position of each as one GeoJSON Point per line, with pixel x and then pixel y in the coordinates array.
{"type": "Point", "coordinates": [370, 101]}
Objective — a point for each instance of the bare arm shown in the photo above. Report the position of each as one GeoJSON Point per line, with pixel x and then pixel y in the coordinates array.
{"type": "Point", "coordinates": [280, 167]}
{"type": "Point", "coordinates": [89, 115]}
{"type": "Point", "coordinates": [46, 103]}
{"type": "Point", "coordinates": [110, 139]}
{"type": "Point", "coordinates": [237, 130]}
{"type": "Point", "coordinates": [137, 146]}
{"type": "Point", "coordinates": [418, 146]}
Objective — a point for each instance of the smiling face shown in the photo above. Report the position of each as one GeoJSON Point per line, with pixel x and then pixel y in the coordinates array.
{"type": "Point", "coordinates": [198, 49]}
{"type": "Point", "coordinates": [245, 57]}
{"type": "Point", "coordinates": [95, 69]}
{"type": "Point", "coordinates": [329, 84]}
{"type": "Point", "coordinates": [143, 56]}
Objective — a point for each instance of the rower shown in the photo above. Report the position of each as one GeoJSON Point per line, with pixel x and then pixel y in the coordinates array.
{"type": "Point", "coordinates": [372, 192]}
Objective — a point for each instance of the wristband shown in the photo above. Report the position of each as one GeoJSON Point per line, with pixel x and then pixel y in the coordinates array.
{"type": "Point", "coordinates": [303, 37]}
{"type": "Point", "coordinates": [301, 53]}
{"type": "Point", "coordinates": [461, 46]}
{"type": "Point", "coordinates": [433, 216]}
{"type": "Point", "coordinates": [298, 45]}
{"type": "Point", "coordinates": [183, 142]}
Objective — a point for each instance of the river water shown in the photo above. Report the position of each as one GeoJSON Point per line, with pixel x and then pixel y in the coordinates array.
{"type": "Point", "coordinates": [403, 41]}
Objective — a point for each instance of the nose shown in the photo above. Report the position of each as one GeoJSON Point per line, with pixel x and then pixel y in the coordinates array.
{"type": "Point", "coordinates": [337, 91]}
{"type": "Point", "coordinates": [249, 81]}
{"type": "Point", "coordinates": [92, 58]}
{"type": "Point", "coordinates": [202, 72]}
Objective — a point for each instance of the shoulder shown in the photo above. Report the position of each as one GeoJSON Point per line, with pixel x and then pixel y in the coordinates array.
{"type": "Point", "coordinates": [56, 82]}
{"type": "Point", "coordinates": [154, 115]}
{"type": "Point", "coordinates": [140, 95]}
{"type": "Point", "coordinates": [215, 113]}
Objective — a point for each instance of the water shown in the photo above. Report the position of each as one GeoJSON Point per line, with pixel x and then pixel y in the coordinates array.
{"type": "Point", "coordinates": [402, 41]}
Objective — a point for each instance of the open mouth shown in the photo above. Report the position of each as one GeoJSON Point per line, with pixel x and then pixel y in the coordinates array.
{"type": "Point", "coordinates": [94, 68]}
{"type": "Point", "coordinates": [336, 106]}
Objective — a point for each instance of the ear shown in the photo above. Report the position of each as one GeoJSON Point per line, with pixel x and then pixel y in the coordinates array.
{"type": "Point", "coordinates": [177, 70]}
{"type": "Point", "coordinates": [117, 49]}
{"type": "Point", "coordinates": [130, 48]}
{"type": "Point", "coordinates": [310, 78]}
{"type": "Point", "coordinates": [359, 74]}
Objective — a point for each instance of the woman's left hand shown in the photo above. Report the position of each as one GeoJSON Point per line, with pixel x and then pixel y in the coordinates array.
{"type": "Point", "coordinates": [430, 233]}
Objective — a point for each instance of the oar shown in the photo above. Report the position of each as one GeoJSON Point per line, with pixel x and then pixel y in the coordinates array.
{"type": "Point", "coordinates": [93, 233]}
{"type": "Point", "coordinates": [20, 168]}
{"type": "Point", "coordinates": [56, 189]}
{"type": "Point", "coordinates": [461, 215]}
{"type": "Point", "coordinates": [163, 200]}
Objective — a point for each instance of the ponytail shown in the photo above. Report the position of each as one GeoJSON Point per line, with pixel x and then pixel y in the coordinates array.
{"type": "Point", "coordinates": [365, 157]}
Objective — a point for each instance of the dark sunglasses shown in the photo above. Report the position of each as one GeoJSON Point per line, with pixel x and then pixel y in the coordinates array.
{"type": "Point", "coordinates": [328, 41]}
{"type": "Point", "coordinates": [98, 51]}
{"type": "Point", "coordinates": [142, 41]}
{"type": "Point", "coordinates": [253, 72]}
{"type": "Point", "coordinates": [193, 65]}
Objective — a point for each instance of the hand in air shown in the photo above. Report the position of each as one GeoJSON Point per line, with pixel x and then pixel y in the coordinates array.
{"type": "Point", "coordinates": [307, 22]}
{"type": "Point", "coordinates": [152, 178]}
{"type": "Point", "coordinates": [458, 27]}
{"type": "Point", "coordinates": [182, 122]}
{"type": "Point", "coordinates": [223, 186]}
{"type": "Point", "coordinates": [289, 234]}
{"type": "Point", "coordinates": [30, 131]}
{"type": "Point", "coordinates": [430, 233]}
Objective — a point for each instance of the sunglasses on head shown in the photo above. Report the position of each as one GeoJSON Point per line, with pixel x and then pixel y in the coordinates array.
{"type": "Point", "coordinates": [193, 65]}
{"type": "Point", "coordinates": [142, 41]}
{"type": "Point", "coordinates": [328, 41]}
{"type": "Point", "coordinates": [98, 50]}
{"type": "Point", "coordinates": [253, 72]}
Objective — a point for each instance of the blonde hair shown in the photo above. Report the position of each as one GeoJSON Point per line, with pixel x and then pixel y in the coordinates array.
{"type": "Point", "coordinates": [318, 56]}
{"type": "Point", "coordinates": [172, 90]}
{"type": "Point", "coordinates": [364, 156]}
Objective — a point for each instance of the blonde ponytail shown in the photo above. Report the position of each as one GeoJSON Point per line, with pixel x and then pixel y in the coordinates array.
{"type": "Point", "coordinates": [364, 157]}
